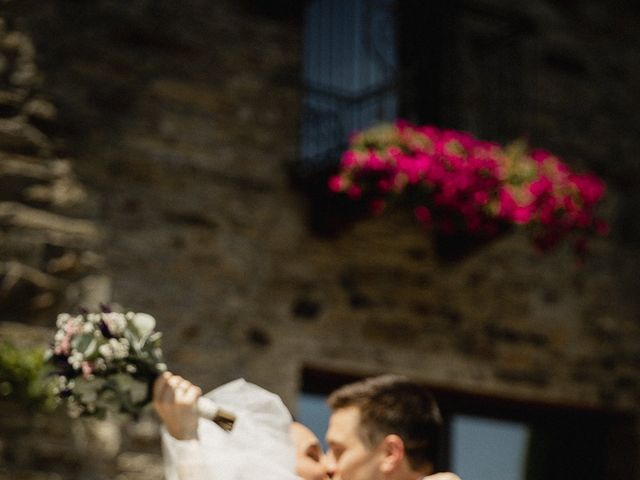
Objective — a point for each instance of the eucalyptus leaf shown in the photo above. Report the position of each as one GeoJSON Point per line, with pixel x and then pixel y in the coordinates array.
{"type": "Point", "coordinates": [122, 382]}
{"type": "Point", "coordinates": [132, 336]}
{"type": "Point", "coordinates": [138, 391]}
{"type": "Point", "coordinates": [85, 344]}
{"type": "Point", "coordinates": [108, 400]}
{"type": "Point", "coordinates": [87, 390]}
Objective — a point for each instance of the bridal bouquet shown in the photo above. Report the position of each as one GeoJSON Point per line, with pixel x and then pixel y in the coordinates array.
{"type": "Point", "coordinates": [107, 362]}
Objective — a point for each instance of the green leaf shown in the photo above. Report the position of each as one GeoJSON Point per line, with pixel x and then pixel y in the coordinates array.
{"type": "Point", "coordinates": [85, 344]}
{"type": "Point", "coordinates": [24, 377]}
{"type": "Point", "coordinates": [138, 391]}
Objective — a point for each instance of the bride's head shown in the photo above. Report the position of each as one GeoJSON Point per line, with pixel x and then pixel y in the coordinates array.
{"type": "Point", "coordinates": [309, 456]}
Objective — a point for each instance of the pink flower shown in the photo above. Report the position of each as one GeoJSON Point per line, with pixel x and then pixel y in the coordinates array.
{"type": "Point", "coordinates": [507, 204]}
{"type": "Point", "coordinates": [349, 159]}
{"type": "Point", "coordinates": [540, 186]}
{"type": "Point", "coordinates": [481, 197]}
{"type": "Point", "coordinates": [569, 204]}
{"type": "Point", "coordinates": [374, 162]}
{"type": "Point", "coordinates": [64, 347]}
{"type": "Point", "coordinates": [402, 124]}
{"type": "Point", "coordinates": [522, 215]}
{"type": "Point", "coordinates": [561, 167]}
{"type": "Point", "coordinates": [591, 188]}
{"type": "Point", "coordinates": [337, 184]}
{"type": "Point", "coordinates": [539, 156]}
{"type": "Point", "coordinates": [407, 166]}
{"type": "Point", "coordinates": [86, 369]}
{"type": "Point", "coordinates": [430, 133]}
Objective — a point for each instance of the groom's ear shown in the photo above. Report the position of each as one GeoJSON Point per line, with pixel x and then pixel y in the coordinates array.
{"type": "Point", "coordinates": [392, 449]}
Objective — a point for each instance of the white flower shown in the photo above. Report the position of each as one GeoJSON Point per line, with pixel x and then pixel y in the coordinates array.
{"type": "Point", "coordinates": [88, 328]}
{"type": "Point", "coordinates": [108, 400]}
{"type": "Point", "coordinates": [138, 391]}
{"type": "Point", "coordinates": [120, 347]}
{"type": "Point", "coordinates": [87, 390]}
{"type": "Point", "coordinates": [77, 321]}
{"type": "Point", "coordinates": [99, 365]}
{"type": "Point", "coordinates": [62, 319]}
{"type": "Point", "coordinates": [59, 336]}
{"type": "Point", "coordinates": [62, 382]}
{"type": "Point", "coordinates": [131, 368]}
{"type": "Point", "coordinates": [106, 351]}
{"type": "Point", "coordinates": [93, 317]}
{"type": "Point", "coordinates": [115, 322]}
{"type": "Point", "coordinates": [75, 359]}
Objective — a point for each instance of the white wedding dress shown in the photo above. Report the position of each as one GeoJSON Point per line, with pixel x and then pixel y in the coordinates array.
{"type": "Point", "coordinates": [258, 446]}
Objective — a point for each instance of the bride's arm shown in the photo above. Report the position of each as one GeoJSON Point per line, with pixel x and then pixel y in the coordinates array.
{"type": "Point", "coordinates": [174, 400]}
{"type": "Point", "coordinates": [196, 449]}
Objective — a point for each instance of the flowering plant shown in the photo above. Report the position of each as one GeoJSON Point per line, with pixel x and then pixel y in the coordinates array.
{"type": "Point", "coordinates": [106, 362]}
{"type": "Point", "coordinates": [456, 183]}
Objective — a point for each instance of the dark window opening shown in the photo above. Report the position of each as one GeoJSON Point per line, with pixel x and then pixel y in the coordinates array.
{"type": "Point", "coordinates": [349, 74]}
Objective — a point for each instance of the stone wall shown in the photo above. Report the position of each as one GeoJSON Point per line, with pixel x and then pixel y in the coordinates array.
{"type": "Point", "coordinates": [47, 248]}
{"type": "Point", "coordinates": [181, 121]}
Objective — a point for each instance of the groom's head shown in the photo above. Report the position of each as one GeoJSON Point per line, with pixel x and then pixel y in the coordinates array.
{"type": "Point", "coordinates": [382, 428]}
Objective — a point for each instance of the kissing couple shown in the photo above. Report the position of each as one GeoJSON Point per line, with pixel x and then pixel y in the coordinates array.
{"type": "Point", "coordinates": [381, 428]}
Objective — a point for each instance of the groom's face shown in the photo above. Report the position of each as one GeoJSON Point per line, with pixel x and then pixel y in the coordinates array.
{"type": "Point", "coordinates": [348, 457]}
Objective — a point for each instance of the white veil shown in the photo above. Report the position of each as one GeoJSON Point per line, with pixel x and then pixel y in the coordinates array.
{"type": "Point", "coordinates": [258, 446]}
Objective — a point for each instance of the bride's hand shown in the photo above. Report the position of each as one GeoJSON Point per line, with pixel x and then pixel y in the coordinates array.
{"type": "Point", "coordinates": [174, 399]}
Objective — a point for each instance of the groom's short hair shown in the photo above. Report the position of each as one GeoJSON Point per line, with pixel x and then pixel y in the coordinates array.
{"type": "Point", "coordinates": [392, 404]}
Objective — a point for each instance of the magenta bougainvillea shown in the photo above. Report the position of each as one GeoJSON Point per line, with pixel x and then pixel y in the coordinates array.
{"type": "Point", "coordinates": [457, 184]}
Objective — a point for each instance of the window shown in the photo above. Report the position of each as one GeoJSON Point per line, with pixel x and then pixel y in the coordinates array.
{"type": "Point", "coordinates": [483, 448]}
{"type": "Point", "coordinates": [506, 439]}
{"type": "Point", "coordinates": [314, 413]}
{"type": "Point", "coordinates": [349, 74]}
